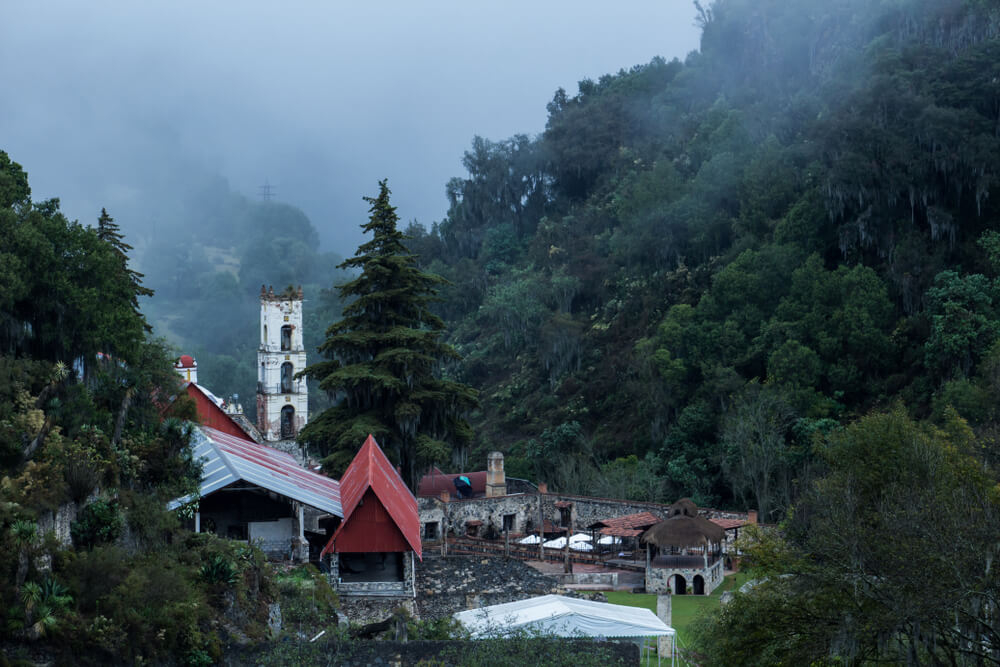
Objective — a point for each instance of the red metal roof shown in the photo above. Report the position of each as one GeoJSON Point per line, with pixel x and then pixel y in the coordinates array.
{"type": "Point", "coordinates": [728, 524]}
{"type": "Point", "coordinates": [629, 525]}
{"type": "Point", "coordinates": [370, 469]}
{"type": "Point", "coordinates": [210, 414]}
{"type": "Point", "coordinates": [185, 361]}
{"type": "Point", "coordinates": [433, 483]}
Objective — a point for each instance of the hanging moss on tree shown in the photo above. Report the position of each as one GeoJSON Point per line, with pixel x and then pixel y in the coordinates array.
{"type": "Point", "coordinates": [383, 360]}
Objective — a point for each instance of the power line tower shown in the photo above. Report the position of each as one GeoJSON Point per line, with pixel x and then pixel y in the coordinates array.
{"type": "Point", "coordinates": [265, 192]}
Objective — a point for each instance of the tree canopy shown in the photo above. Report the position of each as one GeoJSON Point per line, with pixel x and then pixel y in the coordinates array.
{"type": "Point", "coordinates": [383, 360]}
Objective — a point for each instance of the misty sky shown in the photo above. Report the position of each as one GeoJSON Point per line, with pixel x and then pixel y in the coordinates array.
{"type": "Point", "coordinates": [124, 104]}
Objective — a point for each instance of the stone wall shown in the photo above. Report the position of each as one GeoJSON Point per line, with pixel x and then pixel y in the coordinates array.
{"type": "Point", "coordinates": [584, 511]}
{"type": "Point", "coordinates": [58, 522]}
{"type": "Point", "coordinates": [457, 583]}
{"type": "Point", "coordinates": [658, 578]}
{"type": "Point", "coordinates": [609, 579]}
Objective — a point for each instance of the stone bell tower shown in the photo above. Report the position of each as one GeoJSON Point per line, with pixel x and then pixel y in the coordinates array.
{"type": "Point", "coordinates": [282, 401]}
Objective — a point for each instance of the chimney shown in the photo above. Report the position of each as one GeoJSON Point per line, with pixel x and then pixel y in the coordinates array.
{"type": "Point", "coordinates": [752, 517]}
{"type": "Point", "coordinates": [543, 487]}
{"type": "Point", "coordinates": [496, 480]}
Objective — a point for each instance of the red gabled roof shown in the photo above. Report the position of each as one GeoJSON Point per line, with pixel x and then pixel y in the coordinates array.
{"type": "Point", "coordinates": [210, 414]}
{"type": "Point", "coordinates": [370, 469]}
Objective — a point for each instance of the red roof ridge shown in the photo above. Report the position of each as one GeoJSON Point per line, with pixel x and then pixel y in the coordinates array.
{"type": "Point", "coordinates": [371, 469]}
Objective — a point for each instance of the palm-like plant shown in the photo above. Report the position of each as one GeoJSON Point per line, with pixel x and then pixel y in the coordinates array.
{"type": "Point", "coordinates": [43, 604]}
{"type": "Point", "coordinates": [23, 534]}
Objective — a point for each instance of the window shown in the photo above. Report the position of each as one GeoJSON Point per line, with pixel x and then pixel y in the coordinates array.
{"type": "Point", "coordinates": [287, 371]}
{"type": "Point", "coordinates": [286, 337]}
{"type": "Point", "coordinates": [431, 530]}
{"type": "Point", "coordinates": [287, 422]}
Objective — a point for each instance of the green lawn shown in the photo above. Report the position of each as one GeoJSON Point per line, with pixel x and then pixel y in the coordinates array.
{"type": "Point", "coordinates": [684, 608]}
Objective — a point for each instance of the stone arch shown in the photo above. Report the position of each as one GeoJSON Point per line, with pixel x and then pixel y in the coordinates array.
{"type": "Point", "coordinates": [286, 338]}
{"type": "Point", "coordinates": [287, 373]}
{"type": "Point", "coordinates": [679, 585]}
{"type": "Point", "coordinates": [698, 584]}
{"type": "Point", "coordinates": [287, 422]}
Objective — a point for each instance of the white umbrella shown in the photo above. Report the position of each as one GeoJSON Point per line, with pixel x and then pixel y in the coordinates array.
{"type": "Point", "coordinates": [557, 543]}
{"type": "Point", "coordinates": [530, 539]}
{"type": "Point", "coordinates": [609, 539]}
{"type": "Point", "coordinates": [580, 537]}
{"type": "Point", "coordinates": [581, 546]}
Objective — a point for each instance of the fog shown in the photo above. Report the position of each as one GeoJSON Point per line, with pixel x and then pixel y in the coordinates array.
{"type": "Point", "coordinates": [128, 105]}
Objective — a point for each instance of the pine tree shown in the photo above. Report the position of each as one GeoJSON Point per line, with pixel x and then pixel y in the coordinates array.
{"type": "Point", "coordinates": [383, 360]}
{"type": "Point", "coordinates": [109, 232]}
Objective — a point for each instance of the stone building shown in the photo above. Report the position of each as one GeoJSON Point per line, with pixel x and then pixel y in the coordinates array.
{"type": "Point", "coordinates": [282, 400]}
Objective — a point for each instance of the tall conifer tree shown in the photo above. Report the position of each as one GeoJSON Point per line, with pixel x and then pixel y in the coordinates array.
{"type": "Point", "coordinates": [382, 360]}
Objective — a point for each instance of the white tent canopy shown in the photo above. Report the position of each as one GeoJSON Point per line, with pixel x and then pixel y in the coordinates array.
{"type": "Point", "coordinates": [564, 617]}
{"type": "Point", "coordinates": [530, 539]}
{"type": "Point", "coordinates": [574, 540]}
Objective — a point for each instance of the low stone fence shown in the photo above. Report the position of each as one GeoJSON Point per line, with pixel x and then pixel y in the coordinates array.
{"type": "Point", "coordinates": [474, 546]}
{"type": "Point", "coordinates": [375, 588]}
{"type": "Point", "coordinates": [440, 653]}
{"type": "Point", "coordinates": [609, 579]}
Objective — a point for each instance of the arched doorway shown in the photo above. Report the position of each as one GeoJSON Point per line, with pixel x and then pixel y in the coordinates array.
{"type": "Point", "coordinates": [287, 422]}
{"type": "Point", "coordinates": [286, 338]}
{"type": "Point", "coordinates": [680, 585]}
{"type": "Point", "coordinates": [286, 377]}
{"type": "Point", "coordinates": [698, 583]}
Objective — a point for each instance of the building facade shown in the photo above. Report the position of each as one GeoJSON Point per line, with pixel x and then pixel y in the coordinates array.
{"type": "Point", "coordinates": [282, 400]}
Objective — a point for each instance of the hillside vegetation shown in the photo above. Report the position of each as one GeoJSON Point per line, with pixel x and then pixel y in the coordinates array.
{"type": "Point", "coordinates": [700, 264]}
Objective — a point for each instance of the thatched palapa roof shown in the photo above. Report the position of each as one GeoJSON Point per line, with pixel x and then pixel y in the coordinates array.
{"type": "Point", "coordinates": [683, 528]}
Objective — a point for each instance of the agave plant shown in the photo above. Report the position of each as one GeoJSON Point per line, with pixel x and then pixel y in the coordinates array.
{"type": "Point", "coordinates": [219, 570]}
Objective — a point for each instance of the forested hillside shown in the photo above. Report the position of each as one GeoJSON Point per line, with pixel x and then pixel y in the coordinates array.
{"type": "Point", "coordinates": [93, 444]}
{"type": "Point", "coordinates": [699, 265]}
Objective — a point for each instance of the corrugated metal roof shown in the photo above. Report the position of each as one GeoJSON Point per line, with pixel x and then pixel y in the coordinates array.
{"type": "Point", "coordinates": [227, 459]}
{"type": "Point", "coordinates": [370, 469]}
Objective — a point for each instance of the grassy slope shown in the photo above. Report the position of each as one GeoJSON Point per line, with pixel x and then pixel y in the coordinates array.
{"type": "Point", "coordinates": [685, 608]}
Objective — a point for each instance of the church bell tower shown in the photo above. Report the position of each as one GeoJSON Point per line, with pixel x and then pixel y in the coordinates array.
{"type": "Point", "coordinates": [282, 401]}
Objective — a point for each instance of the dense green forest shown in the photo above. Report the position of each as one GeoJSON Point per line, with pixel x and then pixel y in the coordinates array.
{"type": "Point", "coordinates": [700, 261]}
{"type": "Point", "coordinates": [93, 443]}
{"type": "Point", "coordinates": [695, 260]}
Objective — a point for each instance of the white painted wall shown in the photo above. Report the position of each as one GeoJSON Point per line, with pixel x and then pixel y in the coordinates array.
{"type": "Point", "coordinates": [274, 314]}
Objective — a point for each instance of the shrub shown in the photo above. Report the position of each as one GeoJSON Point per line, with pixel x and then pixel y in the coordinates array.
{"type": "Point", "coordinates": [99, 522]}
{"type": "Point", "coordinates": [219, 570]}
